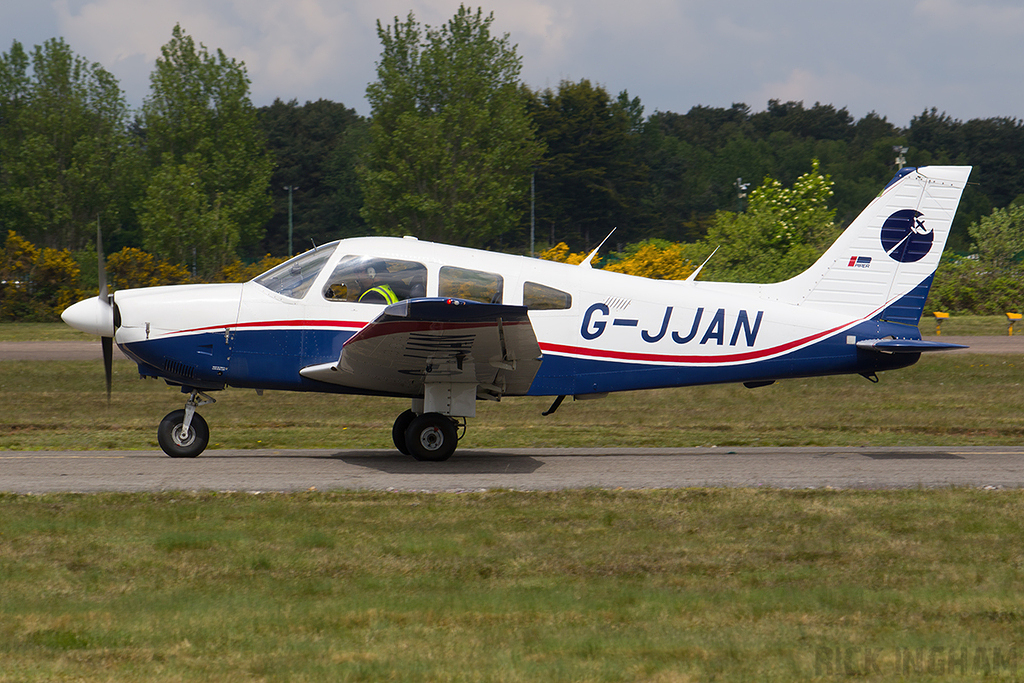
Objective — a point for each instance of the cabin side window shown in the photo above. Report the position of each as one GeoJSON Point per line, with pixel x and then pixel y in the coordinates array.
{"type": "Point", "coordinates": [372, 280]}
{"type": "Point", "coordinates": [474, 285]}
{"type": "Point", "coordinates": [293, 278]}
{"type": "Point", "coordinates": [537, 297]}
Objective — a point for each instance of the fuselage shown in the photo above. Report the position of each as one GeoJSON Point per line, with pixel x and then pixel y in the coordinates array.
{"type": "Point", "coordinates": [598, 331]}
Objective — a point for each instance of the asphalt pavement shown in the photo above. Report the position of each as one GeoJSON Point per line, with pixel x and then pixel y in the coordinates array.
{"type": "Point", "coordinates": [533, 469]}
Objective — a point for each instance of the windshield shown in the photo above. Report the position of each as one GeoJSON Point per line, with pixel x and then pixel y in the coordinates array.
{"type": "Point", "coordinates": [293, 278]}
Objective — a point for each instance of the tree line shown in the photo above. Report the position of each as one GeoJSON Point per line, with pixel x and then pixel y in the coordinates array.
{"type": "Point", "coordinates": [457, 149]}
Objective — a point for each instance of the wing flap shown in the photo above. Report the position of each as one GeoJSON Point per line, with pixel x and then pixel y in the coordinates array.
{"type": "Point", "coordinates": [421, 341]}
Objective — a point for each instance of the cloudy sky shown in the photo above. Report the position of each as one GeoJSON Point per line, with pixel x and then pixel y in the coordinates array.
{"type": "Point", "coordinates": [893, 57]}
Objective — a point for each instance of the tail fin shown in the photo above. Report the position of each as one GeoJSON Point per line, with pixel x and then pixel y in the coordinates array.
{"type": "Point", "coordinates": [882, 265]}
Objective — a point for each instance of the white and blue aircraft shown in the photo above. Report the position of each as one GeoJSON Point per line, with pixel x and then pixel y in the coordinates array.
{"type": "Point", "coordinates": [447, 326]}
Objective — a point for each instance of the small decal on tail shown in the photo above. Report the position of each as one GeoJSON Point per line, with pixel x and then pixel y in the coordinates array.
{"type": "Point", "coordinates": [905, 237]}
{"type": "Point", "coordinates": [860, 262]}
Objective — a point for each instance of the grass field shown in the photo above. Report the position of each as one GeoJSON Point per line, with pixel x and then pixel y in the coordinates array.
{"type": "Point", "coordinates": [41, 332]}
{"type": "Point", "coordinates": [949, 399]}
{"type": "Point", "coordinates": [688, 585]}
{"type": "Point", "coordinates": [659, 586]}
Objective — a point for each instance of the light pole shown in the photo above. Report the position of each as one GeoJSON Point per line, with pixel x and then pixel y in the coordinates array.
{"type": "Point", "coordinates": [901, 156]}
{"type": "Point", "coordinates": [741, 193]}
{"type": "Point", "coordinates": [290, 188]}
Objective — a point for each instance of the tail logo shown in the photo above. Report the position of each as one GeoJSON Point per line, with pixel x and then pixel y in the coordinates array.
{"type": "Point", "coordinates": [905, 237]}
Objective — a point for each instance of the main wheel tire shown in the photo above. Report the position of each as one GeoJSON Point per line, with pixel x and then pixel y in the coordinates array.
{"type": "Point", "coordinates": [431, 437]}
{"type": "Point", "coordinates": [168, 435]}
{"type": "Point", "coordinates": [402, 423]}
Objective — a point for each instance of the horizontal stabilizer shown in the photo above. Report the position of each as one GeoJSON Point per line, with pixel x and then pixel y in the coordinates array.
{"type": "Point", "coordinates": [892, 345]}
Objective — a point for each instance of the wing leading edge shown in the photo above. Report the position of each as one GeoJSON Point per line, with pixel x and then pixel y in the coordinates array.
{"type": "Point", "coordinates": [451, 351]}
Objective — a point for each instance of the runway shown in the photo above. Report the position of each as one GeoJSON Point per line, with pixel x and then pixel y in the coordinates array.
{"type": "Point", "coordinates": [542, 469]}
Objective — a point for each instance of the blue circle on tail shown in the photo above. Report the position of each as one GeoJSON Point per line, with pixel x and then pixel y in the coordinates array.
{"type": "Point", "coordinates": [905, 237]}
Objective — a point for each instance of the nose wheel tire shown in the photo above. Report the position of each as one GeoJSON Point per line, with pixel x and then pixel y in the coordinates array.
{"type": "Point", "coordinates": [178, 445]}
{"type": "Point", "coordinates": [431, 437]}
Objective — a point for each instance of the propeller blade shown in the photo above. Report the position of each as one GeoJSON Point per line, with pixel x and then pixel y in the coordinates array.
{"type": "Point", "coordinates": [106, 342]}
{"type": "Point", "coordinates": [108, 361]}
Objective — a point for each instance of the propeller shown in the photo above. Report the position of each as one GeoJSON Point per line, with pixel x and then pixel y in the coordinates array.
{"type": "Point", "coordinates": [97, 315]}
{"type": "Point", "coordinates": [107, 343]}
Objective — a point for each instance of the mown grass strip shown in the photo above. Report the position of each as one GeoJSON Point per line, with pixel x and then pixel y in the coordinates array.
{"type": "Point", "coordinates": [507, 586]}
{"type": "Point", "coordinates": [952, 400]}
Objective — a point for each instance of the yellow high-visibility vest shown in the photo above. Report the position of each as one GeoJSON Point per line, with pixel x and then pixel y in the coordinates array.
{"type": "Point", "coordinates": [385, 291]}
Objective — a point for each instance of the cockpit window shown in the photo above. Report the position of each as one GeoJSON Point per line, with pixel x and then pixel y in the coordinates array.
{"type": "Point", "coordinates": [538, 297]}
{"type": "Point", "coordinates": [293, 278]}
{"type": "Point", "coordinates": [475, 285]}
{"type": "Point", "coordinates": [373, 280]}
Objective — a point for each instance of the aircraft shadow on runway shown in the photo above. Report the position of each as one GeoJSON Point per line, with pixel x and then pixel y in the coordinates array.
{"type": "Point", "coordinates": [897, 455]}
{"type": "Point", "coordinates": [464, 462]}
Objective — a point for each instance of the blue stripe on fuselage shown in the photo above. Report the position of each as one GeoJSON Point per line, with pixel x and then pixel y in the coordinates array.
{"type": "Point", "coordinates": [833, 355]}
{"type": "Point", "coordinates": [271, 359]}
{"type": "Point", "coordinates": [260, 359]}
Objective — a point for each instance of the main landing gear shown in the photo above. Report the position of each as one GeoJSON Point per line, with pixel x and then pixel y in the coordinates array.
{"type": "Point", "coordinates": [430, 436]}
{"type": "Point", "coordinates": [184, 433]}
{"type": "Point", "coordinates": [425, 436]}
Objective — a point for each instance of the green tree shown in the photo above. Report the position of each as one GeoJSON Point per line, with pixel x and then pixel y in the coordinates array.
{"type": "Point", "coordinates": [999, 238]}
{"type": "Point", "coordinates": [451, 145]}
{"type": "Point", "coordinates": [316, 146]}
{"type": "Point", "coordinates": [990, 281]}
{"type": "Point", "coordinates": [591, 176]}
{"type": "Point", "coordinates": [990, 145]}
{"type": "Point", "coordinates": [204, 140]}
{"type": "Point", "coordinates": [782, 232]}
{"type": "Point", "coordinates": [63, 143]}
{"type": "Point", "coordinates": [182, 224]}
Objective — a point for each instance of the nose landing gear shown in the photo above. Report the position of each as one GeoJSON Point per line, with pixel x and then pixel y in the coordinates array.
{"type": "Point", "coordinates": [184, 433]}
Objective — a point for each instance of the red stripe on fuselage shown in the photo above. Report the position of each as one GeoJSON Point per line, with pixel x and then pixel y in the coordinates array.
{"type": "Point", "coordinates": [681, 359]}
{"type": "Point", "coordinates": [344, 324]}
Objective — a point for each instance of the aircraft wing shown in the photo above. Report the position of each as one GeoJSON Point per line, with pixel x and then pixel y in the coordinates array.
{"type": "Point", "coordinates": [439, 342]}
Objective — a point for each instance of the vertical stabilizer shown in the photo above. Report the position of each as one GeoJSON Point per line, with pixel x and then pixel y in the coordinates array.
{"type": "Point", "coordinates": [882, 265]}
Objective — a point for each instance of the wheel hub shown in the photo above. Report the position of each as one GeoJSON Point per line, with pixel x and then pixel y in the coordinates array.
{"type": "Point", "coordinates": [432, 438]}
{"type": "Point", "coordinates": [183, 437]}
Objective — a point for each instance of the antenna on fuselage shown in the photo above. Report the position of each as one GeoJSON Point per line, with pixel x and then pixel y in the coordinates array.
{"type": "Point", "coordinates": [588, 262]}
{"type": "Point", "coordinates": [694, 274]}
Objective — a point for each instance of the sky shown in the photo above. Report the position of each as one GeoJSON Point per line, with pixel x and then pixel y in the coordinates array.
{"type": "Point", "coordinates": [897, 58]}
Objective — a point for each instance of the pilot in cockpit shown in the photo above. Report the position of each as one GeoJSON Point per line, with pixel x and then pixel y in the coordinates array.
{"type": "Point", "coordinates": [374, 281]}
{"type": "Point", "coordinates": [374, 291]}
